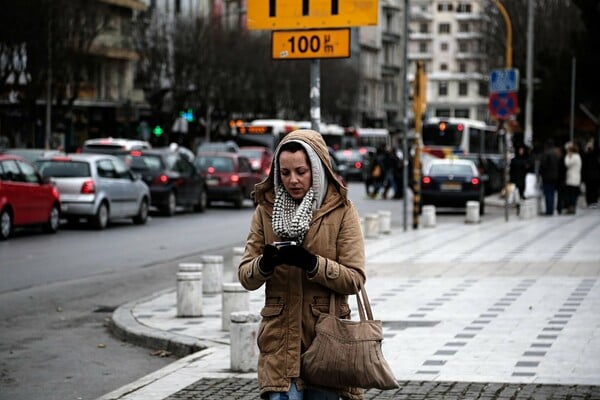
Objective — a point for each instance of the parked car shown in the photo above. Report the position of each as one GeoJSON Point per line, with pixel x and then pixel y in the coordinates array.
{"type": "Point", "coordinates": [227, 147]}
{"type": "Point", "coordinates": [109, 145]}
{"type": "Point", "coordinates": [228, 176]}
{"type": "Point", "coordinates": [173, 179]}
{"type": "Point", "coordinates": [260, 158]}
{"type": "Point", "coordinates": [25, 198]}
{"type": "Point", "coordinates": [98, 187]}
{"type": "Point", "coordinates": [32, 154]}
{"type": "Point", "coordinates": [355, 163]}
{"type": "Point", "coordinates": [451, 182]}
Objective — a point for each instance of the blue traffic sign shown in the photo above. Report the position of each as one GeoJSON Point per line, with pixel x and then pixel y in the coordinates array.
{"type": "Point", "coordinates": [504, 80]}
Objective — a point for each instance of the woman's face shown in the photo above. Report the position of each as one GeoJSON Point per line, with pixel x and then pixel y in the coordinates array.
{"type": "Point", "coordinates": [295, 173]}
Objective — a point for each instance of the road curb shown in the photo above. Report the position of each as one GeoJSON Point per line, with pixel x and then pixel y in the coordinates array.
{"type": "Point", "coordinates": [123, 325]}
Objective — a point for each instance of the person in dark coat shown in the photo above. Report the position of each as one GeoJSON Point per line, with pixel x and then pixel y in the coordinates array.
{"type": "Point", "coordinates": [549, 172]}
{"type": "Point", "coordinates": [520, 165]}
{"type": "Point", "coordinates": [590, 173]}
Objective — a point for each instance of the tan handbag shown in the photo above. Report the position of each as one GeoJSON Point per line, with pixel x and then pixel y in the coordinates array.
{"type": "Point", "coordinates": [347, 353]}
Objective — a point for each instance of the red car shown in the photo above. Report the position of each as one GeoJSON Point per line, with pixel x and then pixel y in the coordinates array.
{"type": "Point", "coordinates": [260, 158]}
{"type": "Point", "coordinates": [228, 176]}
{"type": "Point", "coordinates": [25, 198]}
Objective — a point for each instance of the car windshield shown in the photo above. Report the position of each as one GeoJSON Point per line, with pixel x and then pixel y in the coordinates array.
{"type": "Point", "coordinates": [220, 164]}
{"type": "Point", "coordinates": [450, 169]}
{"type": "Point", "coordinates": [146, 163]}
{"type": "Point", "coordinates": [251, 153]}
{"type": "Point", "coordinates": [64, 169]}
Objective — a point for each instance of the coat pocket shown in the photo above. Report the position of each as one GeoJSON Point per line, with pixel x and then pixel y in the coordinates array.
{"type": "Point", "coordinates": [270, 332]}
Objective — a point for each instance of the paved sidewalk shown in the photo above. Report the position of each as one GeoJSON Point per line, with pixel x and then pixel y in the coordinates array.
{"type": "Point", "coordinates": [496, 310]}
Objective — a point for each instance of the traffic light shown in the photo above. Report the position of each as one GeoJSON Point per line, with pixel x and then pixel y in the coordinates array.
{"type": "Point", "coordinates": [157, 131]}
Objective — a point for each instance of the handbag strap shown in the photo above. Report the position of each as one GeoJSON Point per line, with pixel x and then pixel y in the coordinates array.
{"type": "Point", "coordinates": [364, 310]}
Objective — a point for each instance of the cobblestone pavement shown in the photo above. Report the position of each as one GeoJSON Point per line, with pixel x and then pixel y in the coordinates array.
{"type": "Point", "coordinates": [411, 390]}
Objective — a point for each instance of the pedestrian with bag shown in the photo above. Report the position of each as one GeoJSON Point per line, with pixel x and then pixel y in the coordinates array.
{"type": "Point", "coordinates": [306, 247]}
{"type": "Point", "coordinates": [573, 176]}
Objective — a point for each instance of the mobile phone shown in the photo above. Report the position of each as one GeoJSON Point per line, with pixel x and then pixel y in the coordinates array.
{"type": "Point", "coordinates": [285, 243]}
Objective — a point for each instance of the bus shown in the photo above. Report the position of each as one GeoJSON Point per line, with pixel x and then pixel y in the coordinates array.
{"type": "Point", "coordinates": [442, 137]}
{"type": "Point", "coordinates": [468, 139]}
{"type": "Point", "coordinates": [269, 132]}
{"type": "Point", "coordinates": [366, 137]}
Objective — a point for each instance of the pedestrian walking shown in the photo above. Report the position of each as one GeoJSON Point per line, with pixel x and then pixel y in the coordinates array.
{"type": "Point", "coordinates": [573, 176]}
{"type": "Point", "coordinates": [520, 165]}
{"type": "Point", "coordinates": [380, 171]}
{"type": "Point", "coordinates": [549, 173]}
{"type": "Point", "coordinates": [300, 202]}
{"type": "Point", "coordinates": [590, 173]}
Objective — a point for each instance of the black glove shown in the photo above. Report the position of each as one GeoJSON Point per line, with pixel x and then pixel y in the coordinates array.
{"type": "Point", "coordinates": [299, 257]}
{"type": "Point", "coordinates": [269, 260]}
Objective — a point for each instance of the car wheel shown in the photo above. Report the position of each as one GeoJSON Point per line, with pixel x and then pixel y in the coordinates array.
{"type": "Point", "coordinates": [142, 215]}
{"type": "Point", "coordinates": [6, 224]}
{"type": "Point", "coordinates": [53, 220]}
{"type": "Point", "coordinates": [238, 201]}
{"type": "Point", "coordinates": [100, 220]}
{"type": "Point", "coordinates": [169, 209]}
{"type": "Point", "coordinates": [202, 202]}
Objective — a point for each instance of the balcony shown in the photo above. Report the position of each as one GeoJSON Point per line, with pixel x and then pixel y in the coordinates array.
{"type": "Point", "coordinates": [418, 36]}
{"type": "Point", "coordinates": [469, 17]}
{"type": "Point", "coordinates": [420, 56]}
{"type": "Point", "coordinates": [468, 35]}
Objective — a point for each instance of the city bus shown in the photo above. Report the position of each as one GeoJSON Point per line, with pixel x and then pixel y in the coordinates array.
{"type": "Point", "coordinates": [441, 137]}
{"type": "Point", "coordinates": [357, 137]}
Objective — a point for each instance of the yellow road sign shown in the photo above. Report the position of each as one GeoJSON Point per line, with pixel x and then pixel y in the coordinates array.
{"type": "Point", "coordinates": [310, 14]}
{"type": "Point", "coordinates": [330, 43]}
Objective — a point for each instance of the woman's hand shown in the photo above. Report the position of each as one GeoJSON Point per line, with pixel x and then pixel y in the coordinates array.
{"type": "Point", "coordinates": [269, 260]}
{"type": "Point", "coordinates": [299, 257]}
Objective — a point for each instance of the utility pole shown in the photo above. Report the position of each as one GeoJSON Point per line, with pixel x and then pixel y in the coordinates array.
{"type": "Point", "coordinates": [528, 139]}
{"type": "Point", "coordinates": [405, 119]}
{"type": "Point", "coordinates": [48, 129]}
{"type": "Point", "coordinates": [419, 104]}
{"type": "Point", "coordinates": [572, 118]}
{"type": "Point", "coordinates": [315, 95]}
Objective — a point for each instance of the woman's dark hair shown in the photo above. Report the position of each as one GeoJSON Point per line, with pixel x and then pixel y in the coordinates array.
{"type": "Point", "coordinates": [293, 147]}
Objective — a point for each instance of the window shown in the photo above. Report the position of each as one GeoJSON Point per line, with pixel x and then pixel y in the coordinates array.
{"type": "Point", "coordinates": [463, 88]}
{"type": "Point", "coordinates": [444, 28]}
{"type": "Point", "coordinates": [464, 27]}
{"type": "Point", "coordinates": [444, 7]}
{"type": "Point", "coordinates": [461, 113]}
{"type": "Point", "coordinates": [29, 174]}
{"type": "Point", "coordinates": [463, 47]}
{"type": "Point", "coordinates": [106, 169]}
{"type": "Point", "coordinates": [12, 172]}
{"type": "Point", "coordinates": [444, 46]}
{"type": "Point", "coordinates": [423, 28]}
{"type": "Point", "coordinates": [244, 164]}
{"type": "Point", "coordinates": [443, 89]}
{"type": "Point", "coordinates": [483, 89]}
{"type": "Point", "coordinates": [422, 47]}
{"type": "Point", "coordinates": [463, 8]}
{"type": "Point", "coordinates": [443, 67]}
{"type": "Point", "coordinates": [442, 113]}
{"type": "Point", "coordinates": [462, 67]}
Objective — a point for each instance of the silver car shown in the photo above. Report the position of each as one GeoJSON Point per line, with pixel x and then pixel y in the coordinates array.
{"type": "Point", "coordinates": [99, 187]}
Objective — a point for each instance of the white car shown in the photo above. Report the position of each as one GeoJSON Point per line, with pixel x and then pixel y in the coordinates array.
{"type": "Point", "coordinates": [98, 187]}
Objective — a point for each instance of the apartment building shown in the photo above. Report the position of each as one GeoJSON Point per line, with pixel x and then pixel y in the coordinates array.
{"type": "Point", "coordinates": [450, 38]}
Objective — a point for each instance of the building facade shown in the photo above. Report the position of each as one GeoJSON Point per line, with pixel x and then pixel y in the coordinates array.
{"type": "Point", "coordinates": [450, 38]}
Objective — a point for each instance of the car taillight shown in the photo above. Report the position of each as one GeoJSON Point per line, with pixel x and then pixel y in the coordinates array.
{"type": "Point", "coordinates": [426, 180]}
{"type": "Point", "coordinates": [234, 178]}
{"type": "Point", "coordinates": [54, 192]}
{"type": "Point", "coordinates": [358, 165]}
{"type": "Point", "coordinates": [211, 170]}
{"type": "Point", "coordinates": [88, 187]}
{"type": "Point", "coordinates": [161, 179]}
{"type": "Point", "coordinates": [474, 181]}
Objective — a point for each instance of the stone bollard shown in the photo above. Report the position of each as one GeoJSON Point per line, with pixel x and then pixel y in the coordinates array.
{"type": "Point", "coordinates": [528, 208]}
{"type": "Point", "coordinates": [189, 294]}
{"type": "Point", "coordinates": [189, 267]}
{"type": "Point", "coordinates": [235, 298]}
{"type": "Point", "coordinates": [429, 216]}
{"type": "Point", "coordinates": [372, 226]}
{"type": "Point", "coordinates": [244, 349]}
{"type": "Point", "coordinates": [238, 252]}
{"type": "Point", "coordinates": [212, 274]}
{"type": "Point", "coordinates": [385, 221]}
{"type": "Point", "coordinates": [472, 212]}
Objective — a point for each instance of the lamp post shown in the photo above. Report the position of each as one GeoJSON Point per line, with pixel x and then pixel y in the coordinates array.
{"type": "Point", "coordinates": [508, 24]}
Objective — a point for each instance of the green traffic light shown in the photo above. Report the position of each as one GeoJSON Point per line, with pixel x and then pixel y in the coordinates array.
{"type": "Point", "coordinates": [157, 131]}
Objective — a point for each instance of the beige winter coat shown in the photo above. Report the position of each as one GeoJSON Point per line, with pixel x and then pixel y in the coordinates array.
{"type": "Point", "coordinates": [293, 301]}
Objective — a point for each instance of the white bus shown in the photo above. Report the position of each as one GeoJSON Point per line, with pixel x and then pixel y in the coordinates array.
{"type": "Point", "coordinates": [366, 137]}
{"type": "Point", "coordinates": [441, 137]}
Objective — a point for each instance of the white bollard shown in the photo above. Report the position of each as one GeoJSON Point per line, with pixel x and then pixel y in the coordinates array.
{"type": "Point", "coordinates": [528, 208]}
{"type": "Point", "coordinates": [238, 252]}
{"type": "Point", "coordinates": [472, 212]}
{"type": "Point", "coordinates": [189, 294]}
{"type": "Point", "coordinates": [372, 226]}
{"type": "Point", "coordinates": [429, 216]}
{"type": "Point", "coordinates": [235, 298]}
{"type": "Point", "coordinates": [189, 267]}
{"type": "Point", "coordinates": [385, 221]}
{"type": "Point", "coordinates": [244, 349]}
{"type": "Point", "coordinates": [212, 274]}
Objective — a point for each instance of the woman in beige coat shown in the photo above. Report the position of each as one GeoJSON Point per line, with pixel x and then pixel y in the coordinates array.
{"type": "Point", "coordinates": [300, 201]}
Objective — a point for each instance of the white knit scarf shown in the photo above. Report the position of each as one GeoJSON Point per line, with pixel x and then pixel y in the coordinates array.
{"type": "Point", "coordinates": [291, 219]}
